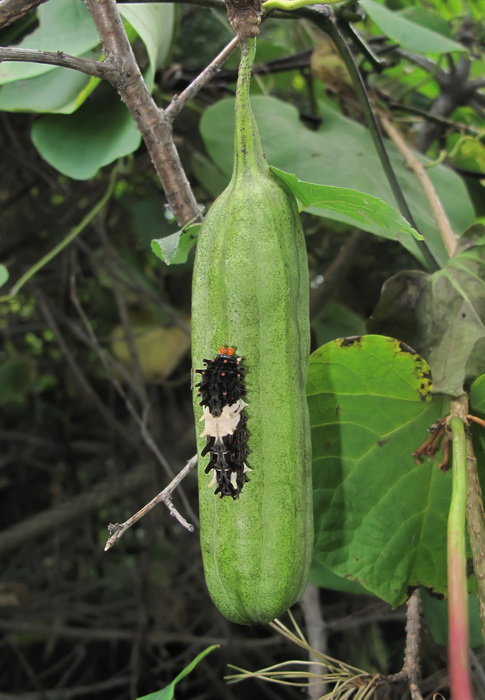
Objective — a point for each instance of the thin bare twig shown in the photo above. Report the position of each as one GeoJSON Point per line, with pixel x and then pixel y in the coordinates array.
{"type": "Point", "coordinates": [411, 653]}
{"type": "Point", "coordinates": [439, 213]}
{"type": "Point", "coordinates": [141, 423]}
{"type": "Point", "coordinates": [117, 530]}
{"type": "Point", "coordinates": [150, 443]}
{"type": "Point", "coordinates": [137, 381]}
{"type": "Point", "coordinates": [98, 69]}
{"type": "Point", "coordinates": [202, 79]}
{"type": "Point", "coordinates": [78, 373]}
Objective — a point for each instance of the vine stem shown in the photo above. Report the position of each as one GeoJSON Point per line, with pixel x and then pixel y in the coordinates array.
{"type": "Point", "coordinates": [67, 239]}
{"type": "Point", "coordinates": [436, 206]}
{"type": "Point", "coordinates": [248, 150]}
{"type": "Point", "coordinates": [330, 27]}
{"type": "Point", "coordinates": [457, 582]}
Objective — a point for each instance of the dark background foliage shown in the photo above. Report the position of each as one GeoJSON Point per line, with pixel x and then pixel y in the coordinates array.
{"type": "Point", "coordinates": [105, 314]}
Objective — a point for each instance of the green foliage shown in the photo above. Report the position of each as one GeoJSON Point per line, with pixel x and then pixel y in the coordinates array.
{"type": "Point", "coordinates": [350, 206]}
{"type": "Point", "coordinates": [16, 376]}
{"type": "Point", "coordinates": [443, 314]}
{"type": "Point", "coordinates": [477, 395]}
{"type": "Point", "coordinates": [168, 693]}
{"type": "Point", "coordinates": [380, 518]}
{"type": "Point", "coordinates": [79, 144]}
{"type": "Point", "coordinates": [64, 25]}
{"type": "Point", "coordinates": [155, 24]}
{"type": "Point", "coordinates": [411, 35]}
{"type": "Point", "coordinates": [3, 275]}
{"type": "Point", "coordinates": [340, 153]}
{"type": "Point", "coordinates": [175, 248]}
{"type": "Point", "coordinates": [96, 135]}
{"type": "Point", "coordinates": [336, 321]}
{"type": "Point", "coordinates": [59, 90]}
{"type": "Point", "coordinates": [436, 616]}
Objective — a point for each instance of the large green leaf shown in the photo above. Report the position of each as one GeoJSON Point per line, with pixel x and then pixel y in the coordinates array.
{"type": "Point", "coordinates": [380, 518]}
{"type": "Point", "coordinates": [79, 144]}
{"type": "Point", "coordinates": [154, 24]}
{"type": "Point", "coordinates": [60, 90]}
{"type": "Point", "coordinates": [410, 35]}
{"type": "Point", "coordinates": [442, 315]}
{"type": "Point", "coordinates": [355, 208]}
{"type": "Point", "coordinates": [64, 25]}
{"type": "Point", "coordinates": [339, 153]}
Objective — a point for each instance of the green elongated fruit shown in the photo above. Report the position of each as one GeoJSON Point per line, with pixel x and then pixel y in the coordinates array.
{"type": "Point", "coordinates": [250, 291]}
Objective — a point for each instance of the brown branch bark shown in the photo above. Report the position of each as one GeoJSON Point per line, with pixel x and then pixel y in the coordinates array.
{"type": "Point", "coordinates": [151, 121]}
{"type": "Point", "coordinates": [98, 69]}
{"type": "Point", "coordinates": [12, 10]}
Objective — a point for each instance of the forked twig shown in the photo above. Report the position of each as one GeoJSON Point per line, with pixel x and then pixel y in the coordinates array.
{"type": "Point", "coordinates": [117, 530]}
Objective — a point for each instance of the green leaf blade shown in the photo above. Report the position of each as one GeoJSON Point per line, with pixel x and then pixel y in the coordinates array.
{"type": "Point", "coordinates": [380, 517]}
{"type": "Point", "coordinates": [79, 144]}
{"type": "Point", "coordinates": [410, 35]}
{"type": "Point", "coordinates": [340, 153]}
{"type": "Point", "coordinates": [174, 249]}
{"type": "Point", "coordinates": [356, 208]}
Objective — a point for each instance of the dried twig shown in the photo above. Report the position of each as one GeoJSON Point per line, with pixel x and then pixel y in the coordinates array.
{"type": "Point", "coordinates": [439, 213]}
{"type": "Point", "coordinates": [117, 530]}
{"type": "Point", "coordinates": [179, 101]}
{"type": "Point", "coordinates": [137, 375]}
{"type": "Point", "coordinates": [78, 373]}
{"type": "Point", "coordinates": [410, 671]}
{"type": "Point", "coordinates": [98, 69]}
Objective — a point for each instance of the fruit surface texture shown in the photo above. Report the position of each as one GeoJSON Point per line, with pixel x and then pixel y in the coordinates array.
{"type": "Point", "coordinates": [250, 292]}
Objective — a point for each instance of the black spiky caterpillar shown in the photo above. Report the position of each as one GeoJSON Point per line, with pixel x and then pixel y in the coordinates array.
{"type": "Point", "coordinates": [222, 390]}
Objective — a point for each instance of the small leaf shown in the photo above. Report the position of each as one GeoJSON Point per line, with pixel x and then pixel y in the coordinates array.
{"type": "Point", "coordinates": [175, 248]}
{"type": "Point", "coordinates": [380, 518]}
{"type": "Point", "coordinates": [169, 692]}
{"type": "Point", "coordinates": [79, 144]}
{"type": "Point", "coordinates": [4, 275]}
{"type": "Point", "coordinates": [408, 34]}
{"type": "Point", "coordinates": [477, 395]}
{"type": "Point", "coordinates": [356, 208]}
